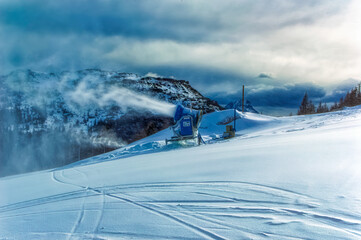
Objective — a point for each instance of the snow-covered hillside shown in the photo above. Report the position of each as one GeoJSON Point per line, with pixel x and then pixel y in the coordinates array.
{"type": "Point", "coordinates": [280, 178]}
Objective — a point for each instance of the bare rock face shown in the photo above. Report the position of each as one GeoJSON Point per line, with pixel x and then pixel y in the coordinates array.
{"type": "Point", "coordinates": [52, 119]}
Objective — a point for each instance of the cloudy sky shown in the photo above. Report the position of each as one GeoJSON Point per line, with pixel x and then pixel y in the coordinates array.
{"type": "Point", "coordinates": [279, 49]}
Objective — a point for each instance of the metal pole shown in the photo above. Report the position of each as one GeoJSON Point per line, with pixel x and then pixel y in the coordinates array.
{"type": "Point", "coordinates": [242, 98]}
{"type": "Point", "coordinates": [234, 117]}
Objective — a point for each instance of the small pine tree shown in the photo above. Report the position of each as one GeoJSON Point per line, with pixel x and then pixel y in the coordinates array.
{"type": "Point", "coordinates": [319, 108]}
{"type": "Point", "coordinates": [311, 108]}
{"type": "Point", "coordinates": [334, 107]}
{"type": "Point", "coordinates": [322, 108]}
{"type": "Point", "coordinates": [353, 97]}
{"type": "Point", "coordinates": [303, 107]}
{"type": "Point", "coordinates": [306, 107]}
{"type": "Point", "coordinates": [341, 103]}
{"type": "Point", "coordinates": [325, 108]}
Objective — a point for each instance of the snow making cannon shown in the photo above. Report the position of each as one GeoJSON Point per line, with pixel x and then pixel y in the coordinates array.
{"type": "Point", "coordinates": [186, 124]}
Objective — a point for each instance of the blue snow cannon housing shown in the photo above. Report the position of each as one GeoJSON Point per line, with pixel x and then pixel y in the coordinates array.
{"type": "Point", "coordinates": [186, 128]}
{"type": "Point", "coordinates": [186, 123]}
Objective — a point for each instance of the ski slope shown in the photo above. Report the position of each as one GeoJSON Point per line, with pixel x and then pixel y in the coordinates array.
{"type": "Point", "coordinates": [281, 178]}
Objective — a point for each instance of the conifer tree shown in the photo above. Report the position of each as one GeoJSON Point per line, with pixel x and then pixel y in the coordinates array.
{"type": "Point", "coordinates": [335, 106]}
{"type": "Point", "coordinates": [325, 108]}
{"type": "Point", "coordinates": [303, 107]}
{"type": "Point", "coordinates": [342, 102]}
{"type": "Point", "coordinates": [311, 108]}
{"type": "Point", "coordinates": [306, 107]}
{"type": "Point", "coordinates": [322, 108]}
{"type": "Point", "coordinates": [319, 108]}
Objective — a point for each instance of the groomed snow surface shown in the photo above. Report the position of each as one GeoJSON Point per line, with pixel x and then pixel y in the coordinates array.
{"type": "Point", "coordinates": [281, 178]}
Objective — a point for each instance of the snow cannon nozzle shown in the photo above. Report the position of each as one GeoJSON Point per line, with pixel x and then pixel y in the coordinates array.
{"type": "Point", "coordinates": [183, 111]}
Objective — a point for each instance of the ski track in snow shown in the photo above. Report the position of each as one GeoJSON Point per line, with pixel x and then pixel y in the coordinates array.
{"type": "Point", "coordinates": [78, 221]}
{"type": "Point", "coordinates": [225, 203]}
{"type": "Point", "coordinates": [100, 216]}
{"type": "Point", "coordinates": [202, 232]}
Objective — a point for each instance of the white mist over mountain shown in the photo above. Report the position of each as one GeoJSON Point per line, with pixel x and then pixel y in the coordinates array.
{"type": "Point", "coordinates": [85, 94]}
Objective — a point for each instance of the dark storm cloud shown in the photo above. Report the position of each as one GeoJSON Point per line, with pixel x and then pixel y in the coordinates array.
{"type": "Point", "coordinates": [137, 19]}
{"type": "Point", "coordinates": [286, 96]}
{"type": "Point", "coordinates": [76, 34]}
{"type": "Point", "coordinates": [264, 75]}
{"type": "Point", "coordinates": [200, 77]}
{"type": "Point", "coordinates": [176, 20]}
